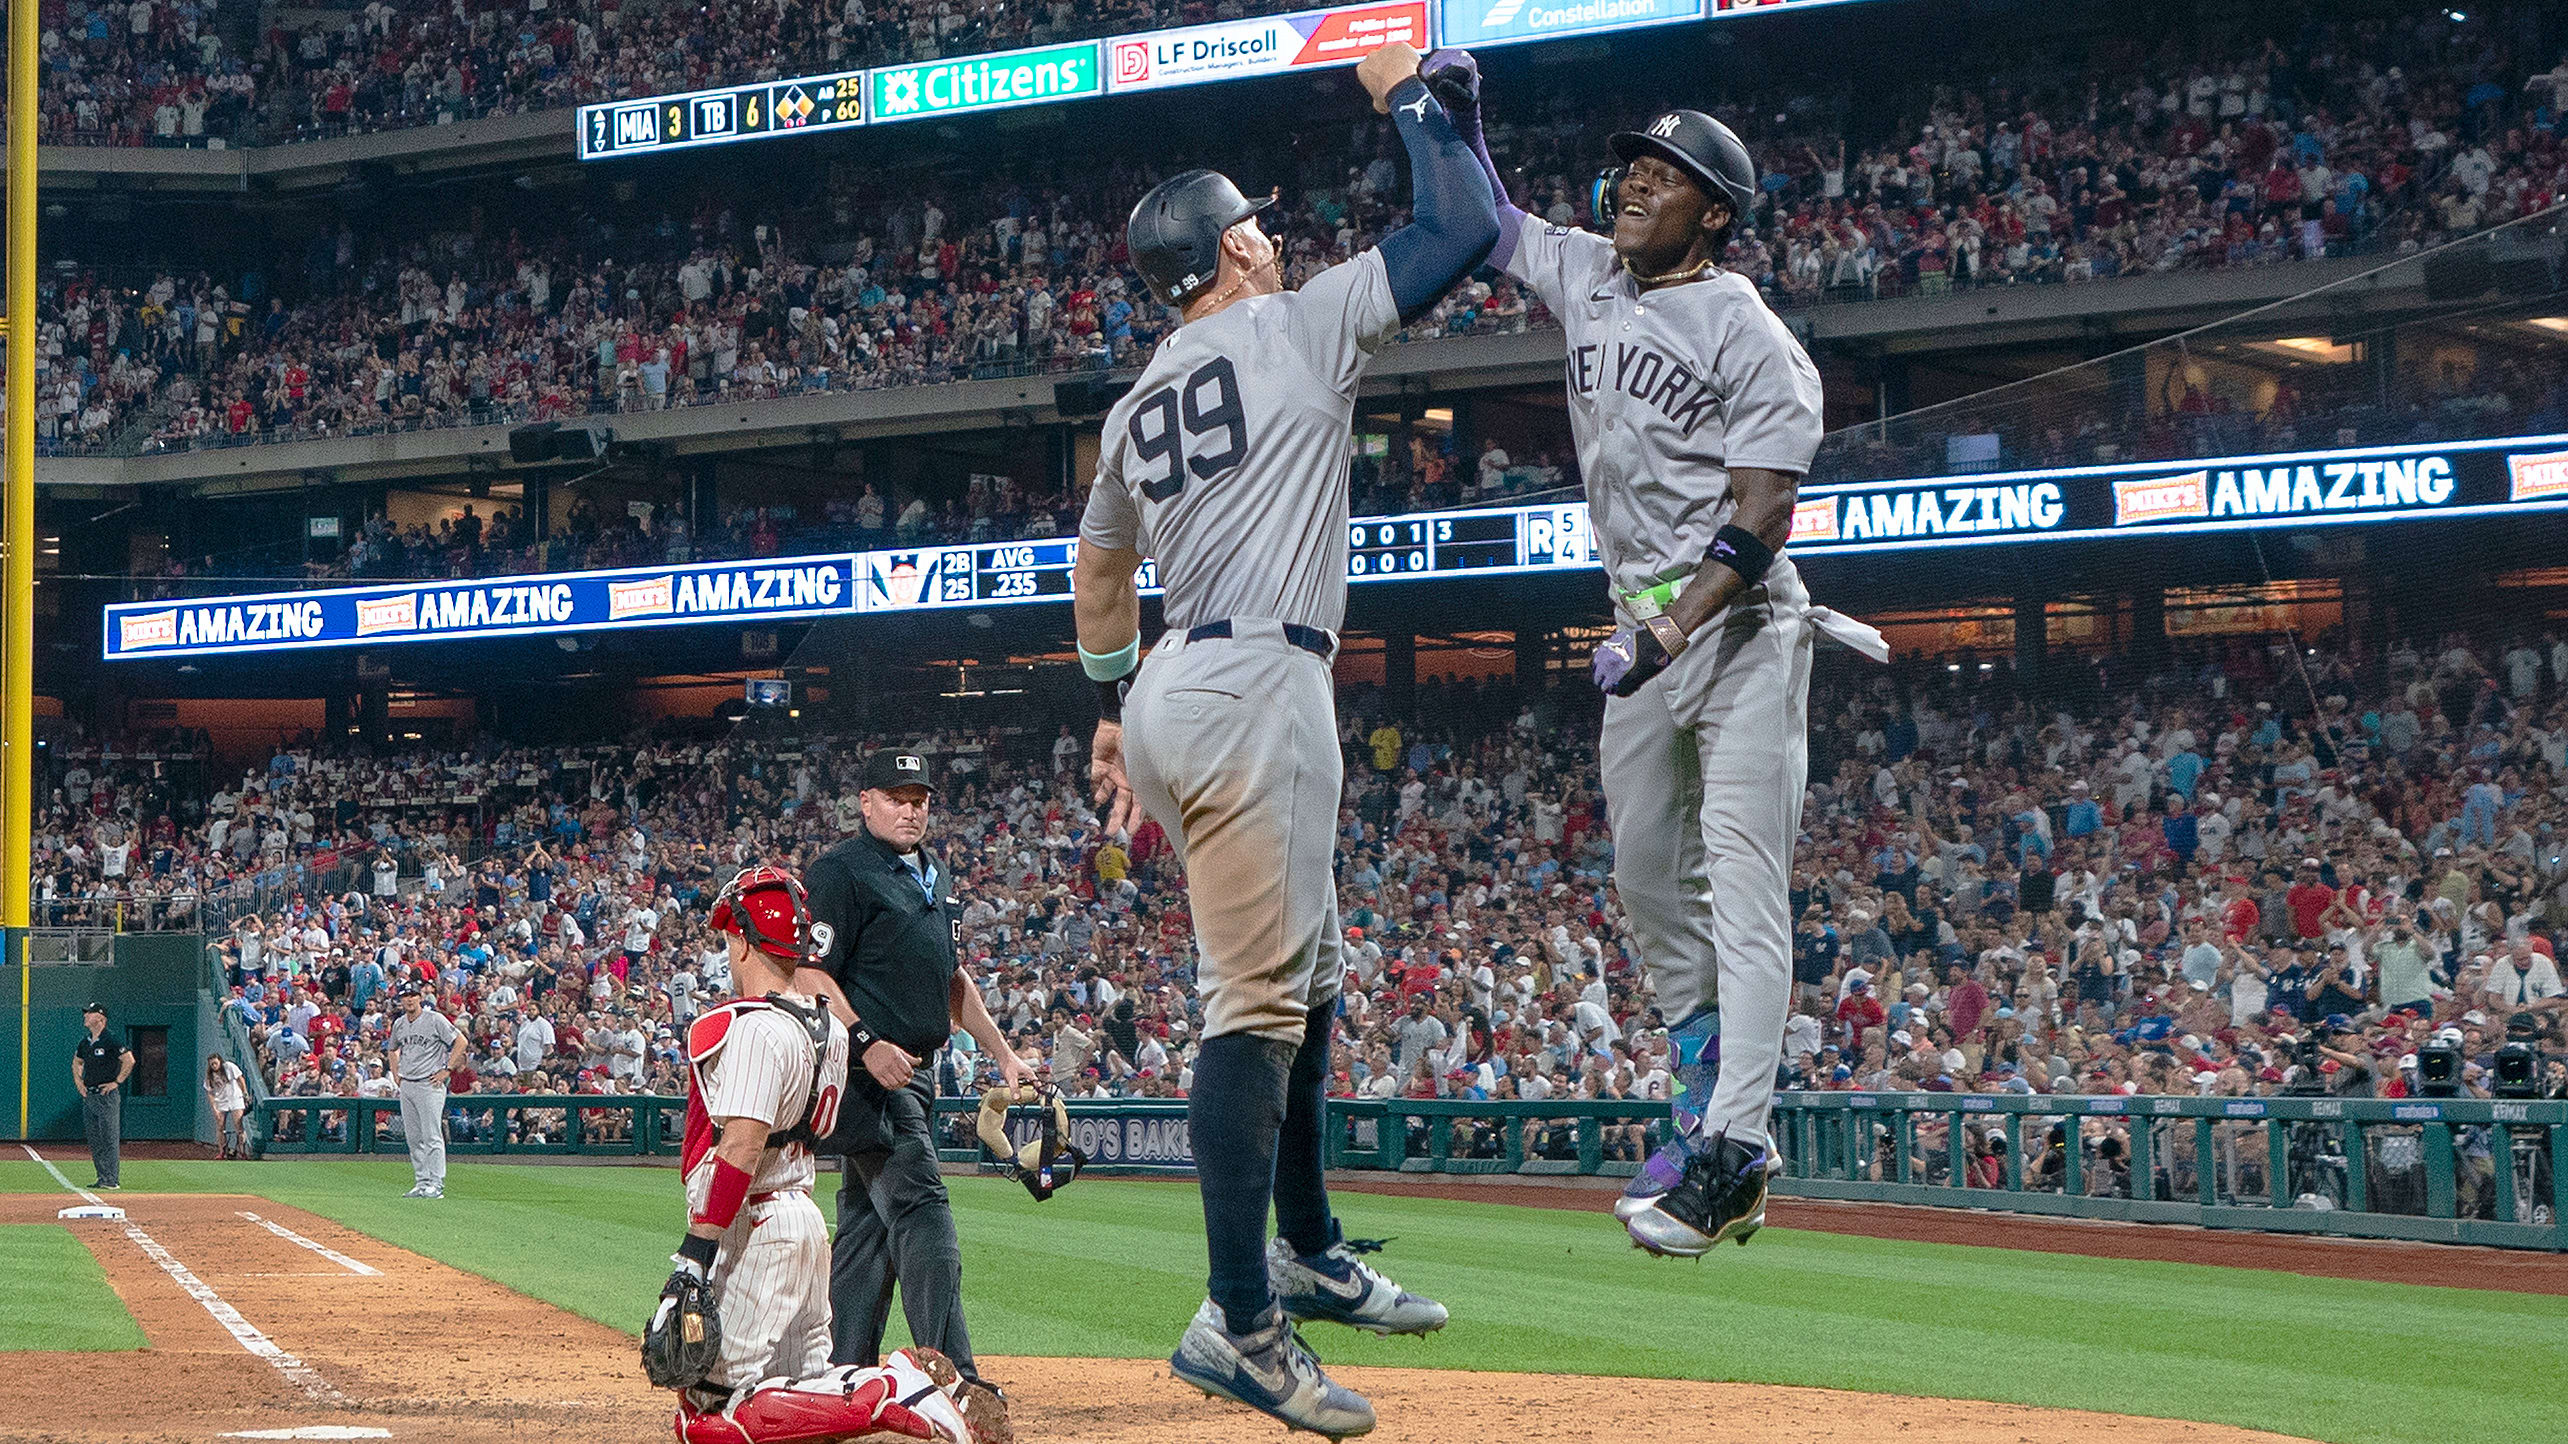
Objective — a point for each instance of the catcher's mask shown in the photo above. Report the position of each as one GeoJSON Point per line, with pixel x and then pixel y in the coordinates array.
{"type": "Point", "coordinates": [766, 907]}
{"type": "Point", "coordinates": [1047, 1163]}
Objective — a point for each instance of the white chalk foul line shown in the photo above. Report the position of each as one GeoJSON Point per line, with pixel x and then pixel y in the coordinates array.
{"type": "Point", "coordinates": [58, 1176]}
{"type": "Point", "coordinates": [299, 1241]}
{"type": "Point", "coordinates": [302, 1375]}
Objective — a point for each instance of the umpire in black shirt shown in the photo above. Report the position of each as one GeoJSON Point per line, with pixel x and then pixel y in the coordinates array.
{"type": "Point", "coordinates": [100, 1065]}
{"type": "Point", "coordinates": [886, 923]}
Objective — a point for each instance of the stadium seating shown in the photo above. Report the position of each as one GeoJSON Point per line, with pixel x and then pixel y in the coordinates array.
{"type": "Point", "coordinates": [2359, 139]}
{"type": "Point", "coordinates": [2159, 887]}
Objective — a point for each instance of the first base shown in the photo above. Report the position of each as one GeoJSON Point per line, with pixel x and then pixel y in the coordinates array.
{"type": "Point", "coordinates": [107, 1211]}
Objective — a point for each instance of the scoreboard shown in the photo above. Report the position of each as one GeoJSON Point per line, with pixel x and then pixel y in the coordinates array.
{"type": "Point", "coordinates": [718, 117]}
{"type": "Point", "coordinates": [1379, 549]}
{"type": "Point", "coordinates": [1383, 548]}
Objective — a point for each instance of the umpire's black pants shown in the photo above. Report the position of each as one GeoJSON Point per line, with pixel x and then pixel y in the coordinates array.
{"type": "Point", "coordinates": [102, 1120]}
{"type": "Point", "coordinates": [895, 1226]}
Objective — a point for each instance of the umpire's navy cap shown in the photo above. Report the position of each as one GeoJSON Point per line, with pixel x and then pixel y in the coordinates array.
{"type": "Point", "coordinates": [888, 769]}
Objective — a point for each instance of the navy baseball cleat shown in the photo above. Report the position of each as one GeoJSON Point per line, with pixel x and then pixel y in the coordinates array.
{"type": "Point", "coordinates": [1270, 1370]}
{"type": "Point", "coordinates": [1721, 1196]}
{"type": "Point", "coordinates": [1336, 1285]}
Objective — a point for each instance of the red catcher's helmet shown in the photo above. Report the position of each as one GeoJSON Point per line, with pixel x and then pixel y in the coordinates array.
{"type": "Point", "coordinates": [765, 906]}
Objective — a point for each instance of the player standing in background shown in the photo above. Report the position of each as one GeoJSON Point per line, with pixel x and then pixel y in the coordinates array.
{"type": "Point", "coordinates": [1696, 416]}
{"type": "Point", "coordinates": [1228, 464]}
{"type": "Point", "coordinates": [769, 1069]}
{"type": "Point", "coordinates": [426, 1050]}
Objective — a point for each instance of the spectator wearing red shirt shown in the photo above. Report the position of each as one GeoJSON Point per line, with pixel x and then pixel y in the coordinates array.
{"type": "Point", "coordinates": [2239, 914]}
{"type": "Point", "coordinates": [1859, 1009]}
{"type": "Point", "coordinates": [1968, 1003]}
{"type": "Point", "coordinates": [2309, 900]}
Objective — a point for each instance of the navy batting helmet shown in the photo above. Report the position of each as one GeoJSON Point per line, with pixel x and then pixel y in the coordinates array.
{"type": "Point", "coordinates": [1175, 234]}
{"type": "Point", "coordinates": [1701, 147]}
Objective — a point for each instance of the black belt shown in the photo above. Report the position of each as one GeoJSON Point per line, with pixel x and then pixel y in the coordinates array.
{"type": "Point", "coordinates": [1310, 639]}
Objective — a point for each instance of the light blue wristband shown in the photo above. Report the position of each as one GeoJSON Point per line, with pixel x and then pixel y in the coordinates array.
{"type": "Point", "coordinates": [1112, 666]}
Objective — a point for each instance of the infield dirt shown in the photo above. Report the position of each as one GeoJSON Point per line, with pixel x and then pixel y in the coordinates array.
{"type": "Point", "coordinates": [427, 1352]}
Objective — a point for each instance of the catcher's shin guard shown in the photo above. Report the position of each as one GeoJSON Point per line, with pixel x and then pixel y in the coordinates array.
{"type": "Point", "coordinates": [915, 1395]}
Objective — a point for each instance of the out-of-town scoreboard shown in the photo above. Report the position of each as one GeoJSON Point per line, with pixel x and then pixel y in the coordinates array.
{"type": "Point", "coordinates": [719, 117]}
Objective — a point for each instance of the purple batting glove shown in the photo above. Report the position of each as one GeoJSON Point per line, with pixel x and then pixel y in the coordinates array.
{"type": "Point", "coordinates": [1627, 659]}
{"type": "Point", "coordinates": [1454, 77]}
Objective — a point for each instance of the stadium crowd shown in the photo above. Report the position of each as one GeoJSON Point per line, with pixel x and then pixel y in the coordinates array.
{"type": "Point", "coordinates": [2355, 137]}
{"type": "Point", "coordinates": [2251, 870]}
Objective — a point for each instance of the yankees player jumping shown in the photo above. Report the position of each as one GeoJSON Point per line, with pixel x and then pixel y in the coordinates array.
{"type": "Point", "coordinates": [770, 1067]}
{"type": "Point", "coordinates": [1227, 463]}
{"type": "Point", "coordinates": [1696, 415]}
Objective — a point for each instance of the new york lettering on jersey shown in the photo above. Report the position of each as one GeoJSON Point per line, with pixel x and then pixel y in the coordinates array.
{"type": "Point", "coordinates": [1669, 392]}
{"type": "Point", "coordinates": [1646, 374]}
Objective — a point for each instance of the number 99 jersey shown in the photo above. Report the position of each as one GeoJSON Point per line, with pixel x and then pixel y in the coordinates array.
{"type": "Point", "coordinates": [1227, 462]}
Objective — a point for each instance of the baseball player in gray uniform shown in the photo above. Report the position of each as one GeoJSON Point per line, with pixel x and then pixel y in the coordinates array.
{"type": "Point", "coordinates": [426, 1050]}
{"type": "Point", "coordinates": [1227, 465]}
{"type": "Point", "coordinates": [1696, 416]}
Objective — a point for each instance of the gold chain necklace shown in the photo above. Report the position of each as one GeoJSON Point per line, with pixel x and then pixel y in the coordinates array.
{"type": "Point", "coordinates": [1693, 272]}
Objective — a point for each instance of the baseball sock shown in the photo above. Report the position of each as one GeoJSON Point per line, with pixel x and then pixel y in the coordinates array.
{"type": "Point", "coordinates": [1697, 1044]}
{"type": "Point", "coordinates": [1234, 1116]}
{"type": "Point", "coordinates": [1301, 1177]}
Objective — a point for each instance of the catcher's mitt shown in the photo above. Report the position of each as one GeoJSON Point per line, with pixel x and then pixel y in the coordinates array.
{"type": "Point", "coordinates": [1047, 1163]}
{"type": "Point", "coordinates": [684, 1340]}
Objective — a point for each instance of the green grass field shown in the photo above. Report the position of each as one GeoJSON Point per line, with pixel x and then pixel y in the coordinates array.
{"type": "Point", "coordinates": [59, 1298]}
{"type": "Point", "coordinates": [1113, 1269]}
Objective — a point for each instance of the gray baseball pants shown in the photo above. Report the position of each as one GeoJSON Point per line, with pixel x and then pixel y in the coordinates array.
{"type": "Point", "coordinates": [1231, 745]}
{"type": "Point", "coordinates": [1704, 769]}
{"type": "Point", "coordinates": [423, 1125]}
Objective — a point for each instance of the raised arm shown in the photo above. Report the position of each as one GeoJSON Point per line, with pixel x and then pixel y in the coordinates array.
{"type": "Point", "coordinates": [1453, 217]}
{"type": "Point", "coordinates": [1454, 76]}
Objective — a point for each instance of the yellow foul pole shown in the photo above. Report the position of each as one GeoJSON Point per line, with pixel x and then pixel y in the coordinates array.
{"type": "Point", "coordinates": [18, 531]}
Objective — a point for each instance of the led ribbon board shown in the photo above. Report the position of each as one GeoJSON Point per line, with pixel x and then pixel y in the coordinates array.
{"type": "Point", "coordinates": [2301, 489]}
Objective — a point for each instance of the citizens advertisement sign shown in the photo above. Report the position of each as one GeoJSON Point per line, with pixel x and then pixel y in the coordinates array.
{"type": "Point", "coordinates": [985, 82]}
{"type": "Point", "coordinates": [1238, 49]}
